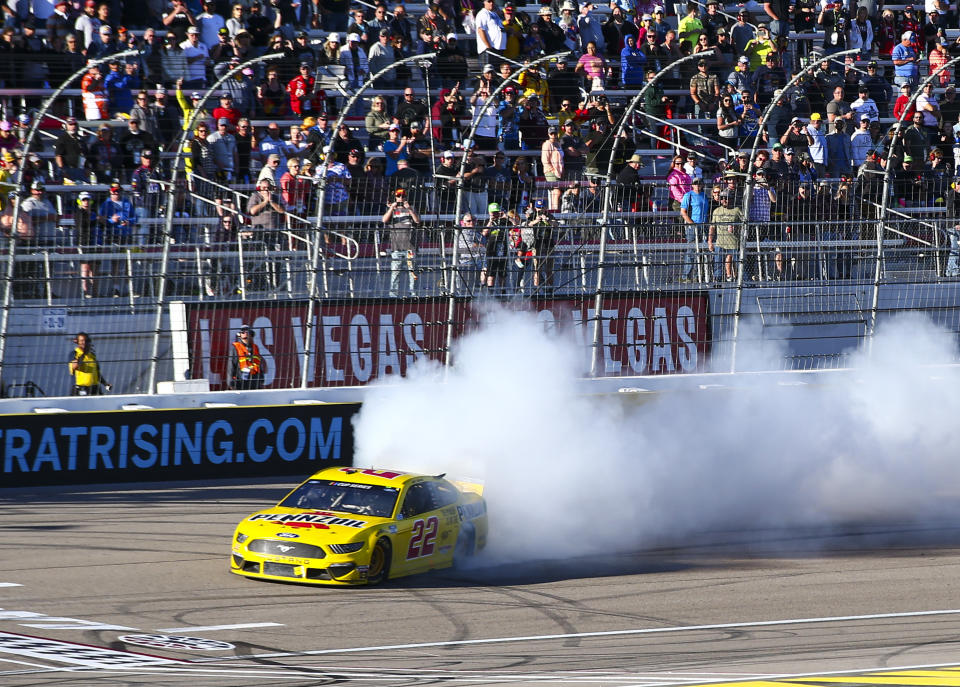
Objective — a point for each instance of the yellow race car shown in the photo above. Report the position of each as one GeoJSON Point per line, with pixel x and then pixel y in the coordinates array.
{"type": "Point", "coordinates": [348, 526]}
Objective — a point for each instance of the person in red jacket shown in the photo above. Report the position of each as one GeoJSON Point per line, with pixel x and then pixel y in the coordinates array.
{"type": "Point", "coordinates": [305, 98]}
{"type": "Point", "coordinates": [900, 110]}
{"type": "Point", "coordinates": [226, 109]}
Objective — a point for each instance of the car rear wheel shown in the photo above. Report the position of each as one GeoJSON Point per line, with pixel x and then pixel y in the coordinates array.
{"type": "Point", "coordinates": [379, 562]}
{"type": "Point", "coordinates": [466, 544]}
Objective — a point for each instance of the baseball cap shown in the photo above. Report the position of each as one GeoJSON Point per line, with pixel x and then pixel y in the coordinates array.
{"type": "Point", "coordinates": [646, 17]}
{"type": "Point", "coordinates": [493, 207]}
{"type": "Point", "coordinates": [451, 36]}
{"type": "Point", "coordinates": [243, 328]}
{"type": "Point", "coordinates": [487, 68]}
{"type": "Point", "coordinates": [223, 120]}
{"type": "Point", "coordinates": [106, 29]}
{"type": "Point", "coordinates": [788, 151]}
{"type": "Point", "coordinates": [71, 120]}
{"type": "Point", "coordinates": [5, 125]}
{"type": "Point", "coordinates": [226, 94]}
{"type": "Point", "coordinates": [393, 127]}
{"type": "Point", "coordinates": [114, 184]}
{"type": "Point", "coordinates": [864, 118]}
{"type": "Point", "coordinates": [193, 30]}
{"type": "Point", "coordinates": [195, 95]}
{"type": "Point", "coordinates": [447, 154]}
{"type": "Point", "coordinates": [552, 129]}
{"type": "Point", "coordinates": [146, 153]}
{"type": "Point", "coordinates": [725, 194]}
{"type": "Point", "coordinates": [84, 195]}
{"type": "Point", "coordinates": [778, 146]}
{"type": "Point", "coordinates": [907, 35]}
{"type": "Point", "coordinates": [414, 125]}
{"type": "Point", "coordinates": [37, 186]}
{"type": "Point", "coordinates": [224, 31]}
{"type": "Point", "coordinates": [309, 121]}
{"type": "Point", "coordinates": [354, 37]}
{"type": "Point", "coordinates": [333, 38]}
{"type": "Point", "coordinates": [8, 156]}
{"type": "Point", "coordinates": [744, 59]}
{"type": "Point", "coordinates": [538, 203]}
{"type": "Point", "coordinates": [815, 117]}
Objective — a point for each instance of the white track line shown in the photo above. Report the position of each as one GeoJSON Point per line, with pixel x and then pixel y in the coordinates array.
{"type": "Point", "coordinates": [10, 584]}
{"type": "Point", "coordinates": [213, 628]}
{"type": "Point", "coordinates": [605, 633]}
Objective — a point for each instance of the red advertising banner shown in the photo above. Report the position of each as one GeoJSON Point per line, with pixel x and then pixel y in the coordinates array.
{"type": "Point", "coordinates": [355, 343]}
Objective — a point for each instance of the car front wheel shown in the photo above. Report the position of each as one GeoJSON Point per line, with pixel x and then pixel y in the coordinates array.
{"type": "Point", "coordinates": [379, 562]}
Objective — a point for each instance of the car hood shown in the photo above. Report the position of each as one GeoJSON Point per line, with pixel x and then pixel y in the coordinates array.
{"type": "Point", "coordinates": [306, 524]}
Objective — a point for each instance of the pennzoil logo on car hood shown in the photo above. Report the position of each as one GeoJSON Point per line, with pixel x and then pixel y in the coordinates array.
{"type": "Point", "coordinates": [318, 520]}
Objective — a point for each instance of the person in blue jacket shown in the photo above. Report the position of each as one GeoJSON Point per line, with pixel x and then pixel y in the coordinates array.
{"type": "Point", "coordinates": [632, 61]}
{"type": "Point", "coordinates": [117, 217]}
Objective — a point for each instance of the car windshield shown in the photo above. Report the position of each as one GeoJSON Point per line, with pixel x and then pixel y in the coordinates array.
{"type": "Point", "coordinates": [345, 497]}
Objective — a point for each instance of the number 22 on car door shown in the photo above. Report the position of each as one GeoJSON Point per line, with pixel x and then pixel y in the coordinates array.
{"type": "Point", "coordinates": [420, 528]}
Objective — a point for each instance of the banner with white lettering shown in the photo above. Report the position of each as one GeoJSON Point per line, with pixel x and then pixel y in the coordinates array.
{"type": "Point", "coordinates": [355, 343]}
{"type": "Point", "coordinates": [161, 445]}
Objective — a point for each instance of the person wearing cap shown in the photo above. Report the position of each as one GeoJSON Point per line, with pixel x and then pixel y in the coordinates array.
{"type": "Point", "coordinates": [905, 59]}
{"type": "Point", "coordinates": [381, 55]}
{"type": "Point", "coordinates": [43, 217]}
{"type": "Point", "coordinates": [817, 143]}
{"type": "Point", "coordinates": [223, 148]}
{"type": "Point", "coordinates": [221, 50]}
{"type": "Point", "coordinates": [226, 110]}
{"type": "Point", "coordinates": [198, 58]}
{"type": "Point", "coordinates": [432, 28]}
{"type": "Point", "coordinates": [266, 211]}
{"type": "Point", "coordinates": [118, 218]}
{"type": "Point", "coordinates": [693, 210]}
{"type": "Point", "coordinates": [879, 89]}
{"type": "Point", "coordinates": [928, 104]}
{"type": "Point", "coordinates": [758, 47]}
{"type": "Point", "coordinates": [864, 106]}
{"type": "Point", "coordinates": [87, 24]}
{"type": "Point", "coordinates": [69, 152]}
{"type": "Point", "coordinates": [119, 83]}
{"type": "Point", "coordinates": [353, 59]}
{"type": "Point", "coordinates": [188, 105]}
{"type": "Point", "coordinates": [132, 143]}
{"type": "Point", "coordinates": [146, 182]}
{"type": "Point", "coordinates": [402, 224]}
{"type": "Point", "coordinates": [106, 157]}
{"type": "Point", "coordinates": [245, 366]}
{"type": "Point", "coordinates": [103, 44]}
{"type": "Point", "coordinates": [306, 98]}
{"type": "Point", "coordinates": [861, 142]}
{"type": "Point", "coordinates": [704, 92]}
{"type": "Point", "coordinates": [491, 38]}
{"type": "Point", "coordinates": [723, 236]}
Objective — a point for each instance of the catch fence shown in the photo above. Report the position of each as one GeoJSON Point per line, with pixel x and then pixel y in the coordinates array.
{"type": "Point", "coordinates": [617, 266]}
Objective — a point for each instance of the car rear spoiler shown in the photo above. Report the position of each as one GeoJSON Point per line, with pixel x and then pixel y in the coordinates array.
{"type": "Point", "coordinates": [468, 485]}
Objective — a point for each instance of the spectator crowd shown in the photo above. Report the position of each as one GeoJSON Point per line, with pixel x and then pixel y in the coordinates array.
{"type": "Point", "coordinates": [532, 154]}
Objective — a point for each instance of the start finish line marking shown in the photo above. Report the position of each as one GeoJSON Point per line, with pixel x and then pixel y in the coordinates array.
{"type": "Point", "coordinates": [77, 654]}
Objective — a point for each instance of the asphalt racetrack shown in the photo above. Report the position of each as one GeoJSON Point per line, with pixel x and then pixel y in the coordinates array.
{"type": "Point", "coordinates": [89, 576]}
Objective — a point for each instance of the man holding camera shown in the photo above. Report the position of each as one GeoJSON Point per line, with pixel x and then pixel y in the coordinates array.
{"type": "Point", "coordinates": [85, 368]}
{"type": "Point", "coordinates": [246, 365]}
{"type": "Point", "coordinates": [402, 221]}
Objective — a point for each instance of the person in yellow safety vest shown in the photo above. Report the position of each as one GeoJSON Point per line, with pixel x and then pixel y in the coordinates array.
{"type": "Point", "coordinates": [246, 365]}
{"type": "Point", "coordinates": [85, 369]}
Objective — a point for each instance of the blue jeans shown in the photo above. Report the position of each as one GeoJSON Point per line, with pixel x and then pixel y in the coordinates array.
{"type": "Point", "coordinates": [953, 259]}
{"type": "Point", "coordinates": [690, 254]}
{"type": "Point", "coordinates": [400, 262]}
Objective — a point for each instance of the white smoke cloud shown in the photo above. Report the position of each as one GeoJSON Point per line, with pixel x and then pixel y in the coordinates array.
{"type": "Point", "coordinates": [568, 473]}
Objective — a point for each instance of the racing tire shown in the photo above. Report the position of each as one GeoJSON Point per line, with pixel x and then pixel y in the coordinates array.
{"type": "Point", "coordinates": [379, 562]}
{"type": "Point", "coordinates": [466, 545]}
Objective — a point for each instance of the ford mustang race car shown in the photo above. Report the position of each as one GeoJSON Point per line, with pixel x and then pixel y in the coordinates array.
{"type": "Point", "coordinates": [348, 526]}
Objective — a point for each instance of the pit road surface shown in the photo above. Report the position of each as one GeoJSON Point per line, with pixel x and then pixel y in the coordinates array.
{"type": "Point", "coordinates": [87, 572]}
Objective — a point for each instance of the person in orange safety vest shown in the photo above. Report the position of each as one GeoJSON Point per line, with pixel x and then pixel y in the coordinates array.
{"type": "Point", "coordinates": [246, 365]}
